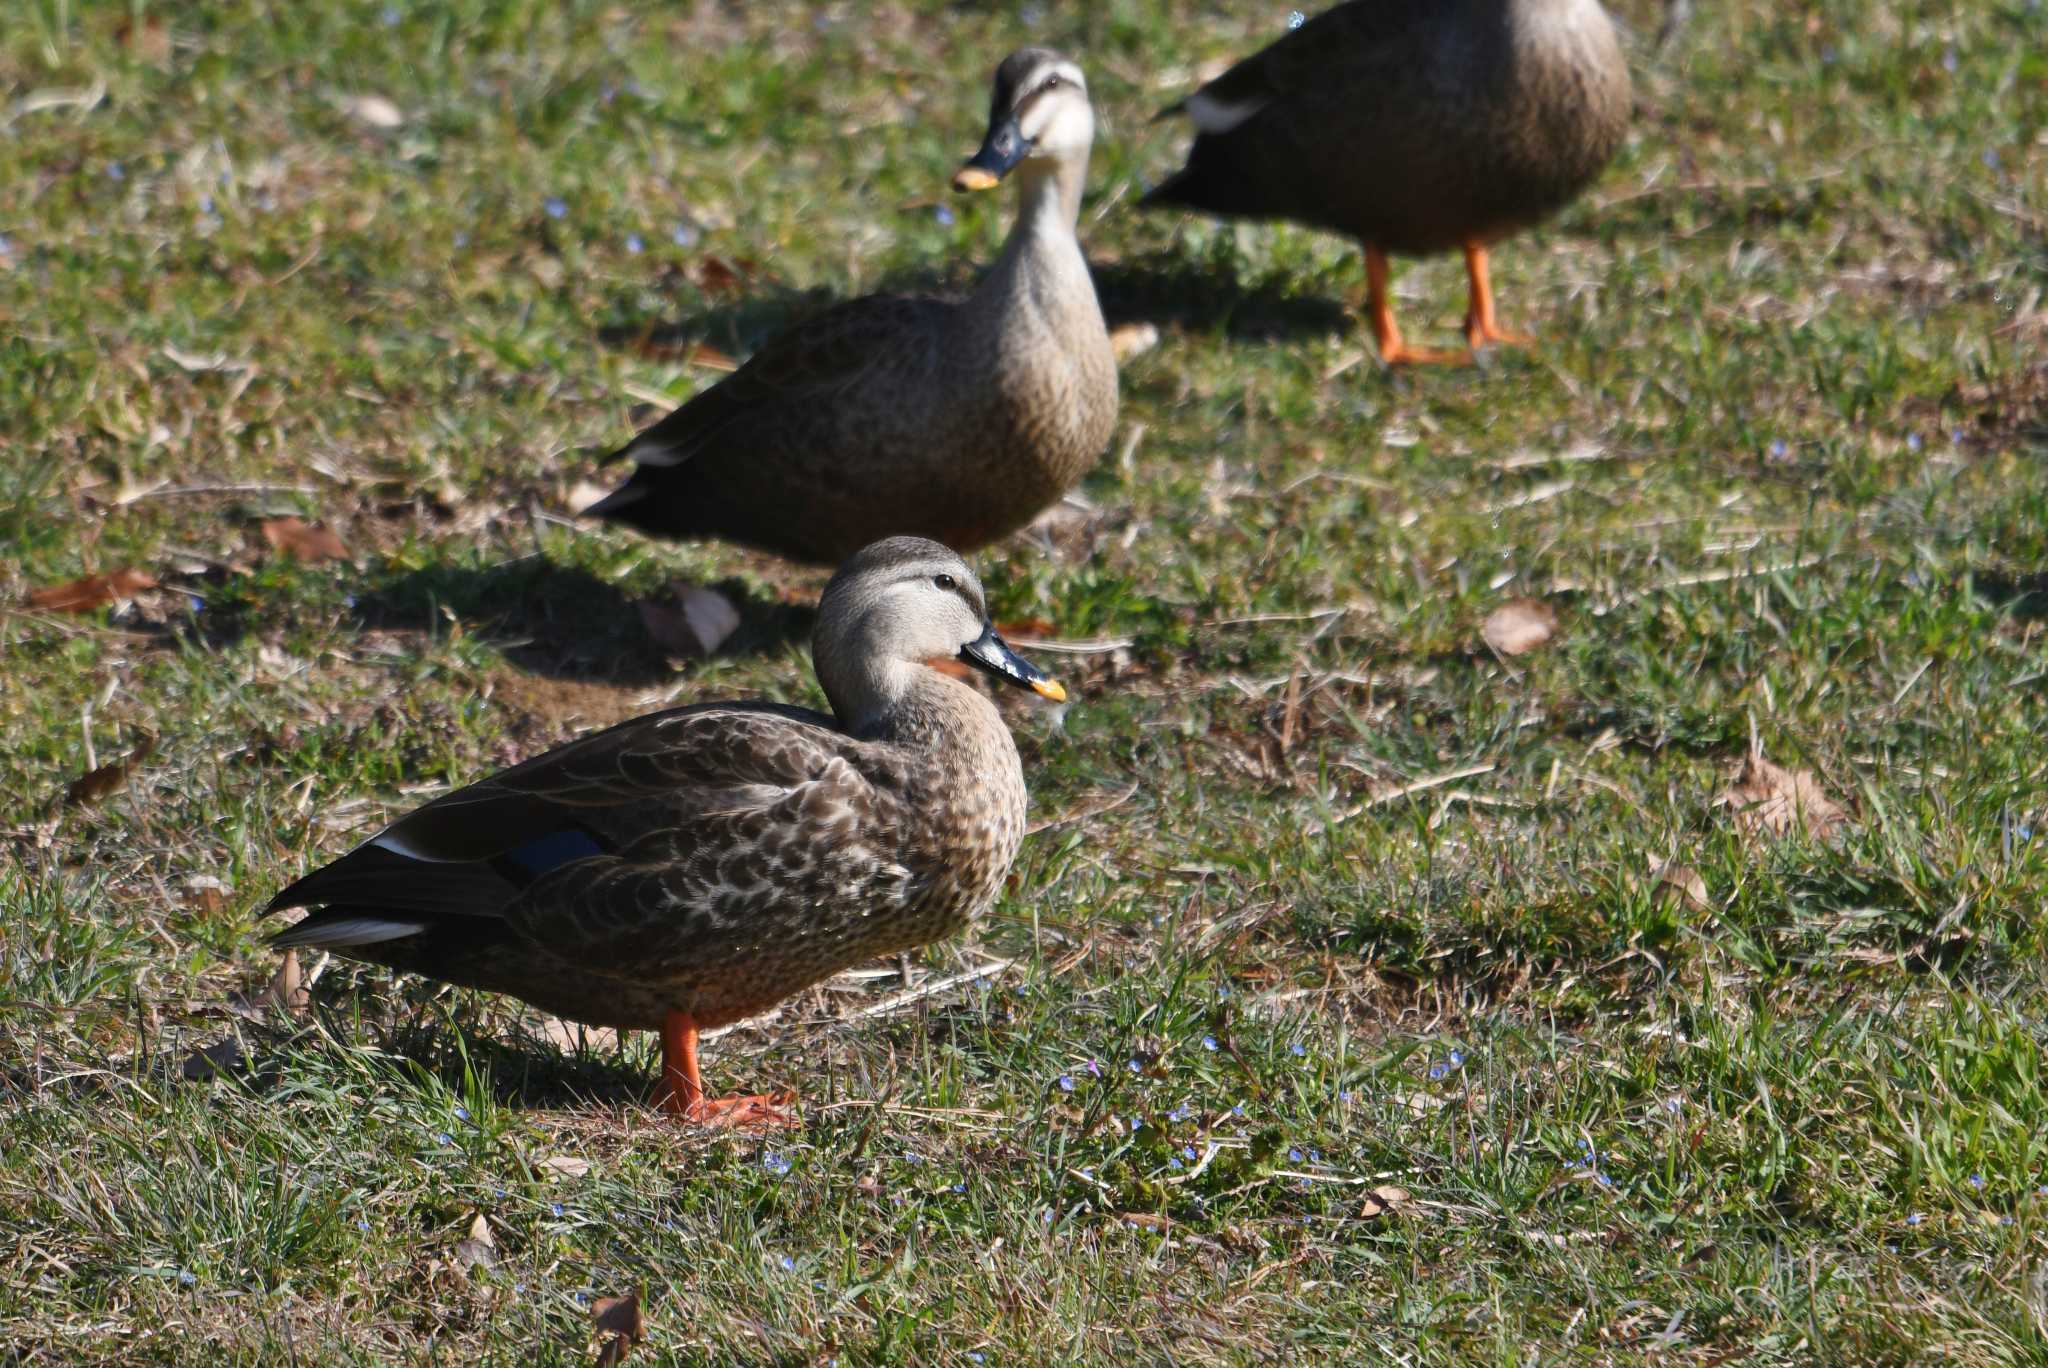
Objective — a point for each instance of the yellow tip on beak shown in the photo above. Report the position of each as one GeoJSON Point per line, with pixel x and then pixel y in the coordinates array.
{"type": "Point", "coordinates": [1050, 688]}
{"type": "Point", "coordinates": [974, 178]}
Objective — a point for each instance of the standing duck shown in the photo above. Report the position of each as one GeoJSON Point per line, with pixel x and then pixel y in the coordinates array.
{"type": "Point", "coordinates": [959, 420]}
{"type": "Point", "coordinates": [696, 866]}
{"type": "Point", "coordinates": [1415, 126]}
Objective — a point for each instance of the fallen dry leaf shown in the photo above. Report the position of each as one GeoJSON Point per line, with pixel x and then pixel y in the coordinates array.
{"type": "Point", "coordinates": [1768, 800]}
{"type": "Point", "coordinates": [1383, 1201]}
{"type": "Point", "coordinates": [693, 624]}
{"type": "Point", "coordinates": [710, 358]}
{"type": "Point", "coordinates": [1130, 339]}
{"type": "Point", "coordinates": [1519, 626]}
{"type": "Point", "coordinates": [1674, 882]}
{"type": "Point", "coordinates": [716, 275]}
{"type": "Point", "coordinates": [583, 494]}
{"type": "Point", "coordinates": [94, 591]}
{"type": "Point", "coordinates": [564, 1166]}
{"type": "Point", "coordinates": [478, 1249]}
{"type": "Point", "coordinates": [108, 779]}
{"type": "Point", "coordinates": [303, 541]}
{"type": "Point", "coordinates": [373, 110]}
{"type": "Point", "coordinates": [1147, 1220]}
{"type": "Point", "coordinates": [621, 1323]}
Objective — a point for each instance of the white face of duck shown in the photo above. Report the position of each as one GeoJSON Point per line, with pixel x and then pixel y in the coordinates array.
{"type": "Point", "coordinates": [1039, 114]}
{"type": "Point", "coordinates": [895, 607]}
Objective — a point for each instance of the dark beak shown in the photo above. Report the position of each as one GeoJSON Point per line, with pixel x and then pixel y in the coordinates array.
{"type": "Point", "coordinates": [991, 654]}
{"type": "Point", "coordinates": [1001, 150]}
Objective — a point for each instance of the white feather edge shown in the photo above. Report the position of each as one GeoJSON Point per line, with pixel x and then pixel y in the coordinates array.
{"type": "Point", "coordinates": [346, 931]}
{"type": "Point", "coordinates": [1212, 115]}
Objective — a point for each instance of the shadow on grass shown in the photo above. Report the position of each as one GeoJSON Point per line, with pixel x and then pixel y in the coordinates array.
{"type": "Point", "coordinates": [1167, 288]}
{"type": "Point", "coordinates": [2022, 596]}
{"type": "Point", "coordinates": [562, 622]}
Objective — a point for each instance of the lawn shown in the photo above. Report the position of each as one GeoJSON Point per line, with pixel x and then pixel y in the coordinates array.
{"type": "Point", "coordinates": [1367, 992]}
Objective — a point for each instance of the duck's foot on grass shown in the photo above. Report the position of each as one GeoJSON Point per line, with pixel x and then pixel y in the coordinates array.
{"type": "Point", "coordinates": [756, 1111]}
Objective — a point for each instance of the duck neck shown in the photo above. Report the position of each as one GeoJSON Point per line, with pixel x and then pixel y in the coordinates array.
{"type": "Point", "coordinates": [1042, 249]}
{"type": "Point", "coordinates": [909, 704]}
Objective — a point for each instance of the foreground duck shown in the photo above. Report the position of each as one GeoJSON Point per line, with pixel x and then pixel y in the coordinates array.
{"type": "Point", "coordinates": [1414, 126]}
{"type": "Point", "coordinates": [694, 867]}
{"type": "Point", "coordinates": [955, 420]}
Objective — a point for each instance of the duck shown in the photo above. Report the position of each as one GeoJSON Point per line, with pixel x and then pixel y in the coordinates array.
{"type": "Point", "coordinates": [1415, 127]}
{"type": "Point", "coordinates": [958, 420]}
{"type": "Point", "coordinates": [693, 867]}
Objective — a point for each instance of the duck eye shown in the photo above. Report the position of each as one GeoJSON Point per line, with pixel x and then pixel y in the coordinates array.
{"type": "Point", "coordinates": [946, 582]}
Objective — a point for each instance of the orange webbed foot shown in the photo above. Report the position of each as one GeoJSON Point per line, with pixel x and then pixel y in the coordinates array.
{"type": "Point", "coordinates": [756, 1111]}
{"type": "Point", "coordinates": [1482, 335]}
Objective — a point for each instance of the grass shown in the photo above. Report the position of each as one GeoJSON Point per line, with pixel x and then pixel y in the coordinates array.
{"type": "Point", "coordinates": [1778, 464]}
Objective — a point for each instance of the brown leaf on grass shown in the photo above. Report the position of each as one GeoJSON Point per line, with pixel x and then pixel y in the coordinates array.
{"type": "Point", "coordinates": [583, 494]}
{"type": "Point", "coordinates": [94, 591]}
{"type": "Point", "coordinates": [710, 358]}
{"type": "Point", "coordinates": [303, 541]}
{"type": "Point", "coordinates": [148, 39]}
{"type": "Point", "coordinates": [693, 624]}
{"type": "Point", "coordinates": [620, 1323]}
{"type": "Point", "coordinates": [478, 1249]}
{"type": "Point", "coordinates": [1146, 1220]}
{"type": "Point", "coordinates": [1674, 882]}
{"type": "Point", "coordinates": [564, 1166]}
{"type": "Point", "coordinates": [1768, 800]}
{"type": "Point", "coordinates": [1383, 1201]}
{"type": "Point", "coordinates": [1130, 339]}
{"type": "Point", "coordinates": [716, 275]}
{"type": "Point", "coordinates": [287, 986]}
{"type": "Point", "coordinates": [1519, 626]}
{"type": "Point", "coordinates": [96, 785]}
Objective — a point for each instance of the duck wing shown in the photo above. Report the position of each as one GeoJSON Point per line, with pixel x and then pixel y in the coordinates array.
{"type": "Point", "coordinates": [831, 353]}
{"type": "Point", "coordinates": [661, 790]}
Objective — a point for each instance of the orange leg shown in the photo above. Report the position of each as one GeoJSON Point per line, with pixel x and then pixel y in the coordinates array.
{"type": "Point", "coordinates": [1482, 329]}
{"type": "Point", "coordinates": [1385, 332]}
{"type": "Point", "coordinates": [682, 1087]}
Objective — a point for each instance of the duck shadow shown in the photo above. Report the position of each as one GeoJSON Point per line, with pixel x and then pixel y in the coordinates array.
{"type": "Point", "coordinates": [2023, 596]}
{"type": "Point", "coordinates": [1170, 289]}
{"type": "Point", "coordinates": [1166, 288]}
{"type": "Point", "coordinates": [565, 623]}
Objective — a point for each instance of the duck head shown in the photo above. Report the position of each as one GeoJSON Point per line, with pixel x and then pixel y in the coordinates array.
{"type": "Point", "coordinates": [1039, 112]}
{"type": "Point", "coordinates": [894, 607]}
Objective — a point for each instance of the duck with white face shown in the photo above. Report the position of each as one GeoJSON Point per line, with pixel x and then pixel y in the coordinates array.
{"type": "Point", "coordinates": [1039, 116]}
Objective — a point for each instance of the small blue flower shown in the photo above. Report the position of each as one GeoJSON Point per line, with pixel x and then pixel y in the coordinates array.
{"type": "Point", "coordinates": [582, 1298]}
{"type": "Point", "coordinates": [206, 204]}
{"type": "Point", "coordinates": [2005, 1220]}
{"type": "Point", "coordinates": [6, 245]}
{"type": "Point", "coordinates": [1032, 15]}
{"type": "Point", "coordinates": [2041, 1191]}
{"type": "Point", "coordinates": [1293, 1156]}
{"type": "Point", "coordinates": [1295, 19]}
{"type": "Point", "coordinates": [1977, 1181]}
{"type": "Point", "coordinates": [1457, 1059]}
{"type": "Point", "coordinates": [444, 1137]}
{"type": "Point", "coordinates": [1315, 1156]}
{"type": "Point", "coordinates": [960, 1187]}
{"type": "Point", "coordinates": [1991, 158]}
{"type": "Point", "coordinates": [1343, 1094]}
{"type": "Point", "coordinates": [461, 237]}
{"type": "Point", "coordinates": [1045, 1216]}
{"type": "Point", "coordinates": [1134, 1066]}
{"type": "Point", "coordinates": [912, 1157]}
{"type": "Point", "coordinates": [461, 1113]}
{"type": "Point", "coordinates": [116, 171]}
{"type": "Point", "coordinates": [1298, 1050]}
{"type": "Point", "coordinates": [1223, 995]}
{"type": "Point", "coordinates": [1673, 1105]}
{"type": "Point", "coordinates": [775, 1162]}
{"type": "Point", "coordinates": [196, 603]}
{"type": "Point", "coordinates": [1604, 1180]}
{"type": "Point", "coordinates": [1137, 1124]}
{"type": "Point", "coordinates": [1949, 61]}
{"type": "Point", "coordinates": [683, 235]}
{"type": "Point", "coordinates": [1172, 1162]}
{"type": "Point", "coordinates": [1779, 449]}
{"type": "Point", "coordinates": [977, 1356]}
{"type": "Point", "coordinates": [944, 214]}
{"type": "Point", "coordinates": [1913, 1219]}
{"type": "Point", "coordinates": [1188, 1151]}
{"type": "Point", "coordinates": [555, 206]}
{"type": "Point", "coordinates": [1066, 1082]}
{"type": "Point", "coordinates": [1209, 1043]}
{"type": "Point", "coordinates": [556, 1208]}
{"type": "Point", "coordinates": [1237, 1109]}
{"type": "Point", "coordinates": [187, 1277]}
{"type": "Point", "coordinates": [391, 16]}
{"type": "Point", "coordinates": [788, 1264]}
{"type": "Point", "coordinates": [1437, 1070]}
{"type": "Point", "coordinates": [362, 1223]}
{"type": "Point", "coordinates": [634, 244]}
{"type": "Point", "coordinates": [1094, 1069]}
{"type": "Point", "coordinates": [1913, 441]}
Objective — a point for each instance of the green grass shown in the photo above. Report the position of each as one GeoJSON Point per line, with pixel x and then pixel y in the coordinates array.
{"type": "Point", "coordinates": [1778, 463]}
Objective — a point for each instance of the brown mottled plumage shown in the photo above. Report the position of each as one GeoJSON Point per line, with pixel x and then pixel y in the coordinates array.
{"type": "Point", "coordinates": [701, 864]}
{"type": "Point", "coordinates": [1415, 126]}
{"type": "Point", "coordinates": [955, 420]}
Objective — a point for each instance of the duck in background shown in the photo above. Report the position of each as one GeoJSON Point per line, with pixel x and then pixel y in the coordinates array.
{"type": "Point", "coordinates": [959, 421]}
{"type": "Point", "coordinates": [1416, 127]}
